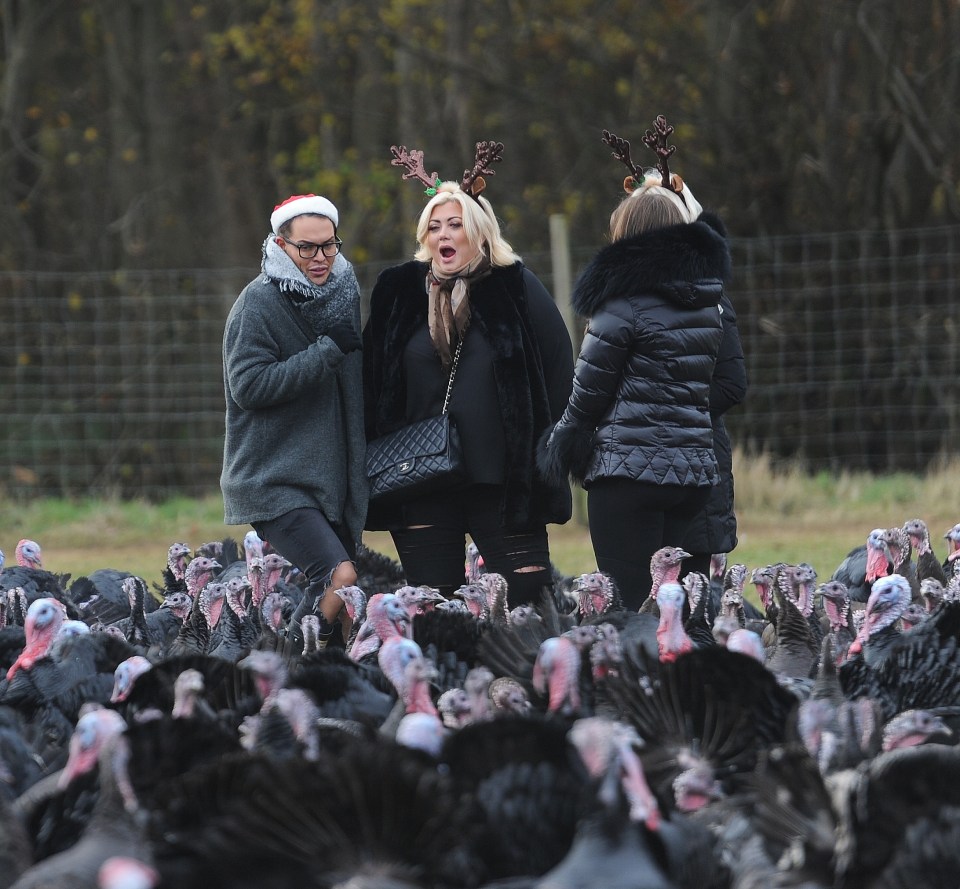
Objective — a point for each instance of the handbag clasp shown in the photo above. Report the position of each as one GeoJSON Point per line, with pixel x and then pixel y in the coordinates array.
{"type": "Point", "coordinates": [405, 466]}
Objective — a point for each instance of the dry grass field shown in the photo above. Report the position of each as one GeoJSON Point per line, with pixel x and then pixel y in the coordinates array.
{"type": "Point", "coordinates": [784, 515]}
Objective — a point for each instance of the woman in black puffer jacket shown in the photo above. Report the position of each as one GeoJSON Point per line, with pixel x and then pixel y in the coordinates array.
{"type": "Point", "coordinates": [636, 432]}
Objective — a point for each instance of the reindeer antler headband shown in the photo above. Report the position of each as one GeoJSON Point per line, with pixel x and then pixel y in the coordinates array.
{"type": "Point", "coordinates": [472, 183]}
{"type": "Point", "coordinates": [656, 141]}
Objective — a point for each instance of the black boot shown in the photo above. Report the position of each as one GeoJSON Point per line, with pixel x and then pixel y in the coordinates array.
{"type": "Point", "coordinates": [326, 635]}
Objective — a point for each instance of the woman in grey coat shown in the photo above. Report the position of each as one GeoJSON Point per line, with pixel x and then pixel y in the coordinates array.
{"type": "Point", "coordinates": [293, 462]}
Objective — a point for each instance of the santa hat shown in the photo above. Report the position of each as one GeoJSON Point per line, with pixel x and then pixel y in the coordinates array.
{"type": "Point", "coordinates": [298, 204]}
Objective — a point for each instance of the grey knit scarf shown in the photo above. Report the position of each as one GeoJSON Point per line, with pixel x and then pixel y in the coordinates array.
{"type": "Point", "coordinates": [323, 306]}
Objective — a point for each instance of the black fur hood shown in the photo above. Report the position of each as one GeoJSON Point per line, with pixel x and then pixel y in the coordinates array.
{"type": "Point", "coordinates": [689, 252]}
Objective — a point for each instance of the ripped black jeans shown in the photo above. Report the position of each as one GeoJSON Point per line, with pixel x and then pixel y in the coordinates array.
{"type": "Point", "coordinates": [304, 537]}
{"type": "Point", "coordinates": [432, 544]}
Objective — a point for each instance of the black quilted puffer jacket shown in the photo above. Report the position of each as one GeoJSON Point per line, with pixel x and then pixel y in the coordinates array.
{"type": "Point", "coordinates": [640, 406]}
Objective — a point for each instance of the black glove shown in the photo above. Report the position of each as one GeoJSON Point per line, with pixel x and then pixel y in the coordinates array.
{"type": "Point", "coordinates": [345, 337]}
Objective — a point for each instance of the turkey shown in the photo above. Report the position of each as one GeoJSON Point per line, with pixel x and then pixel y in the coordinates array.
{"type": "Point", "coordinates": [145, 690]}
{"type": "Point", "coordinates": [199, 572]}
{"type": "Point", "coordinates": [864, 564]}
{"type": "Point", "coordinates": [596, 594]}
{"type": "Point", "coordinates": [889, 598]}
{"type": "Point", "coordinates": [468, 746]}
{"type": "Point", "coordinates": [619, 844]}
{"type": "Point", "coordinates": [950, 563]}
{"type": "Point", "coordinates": [673, 640]}
{"type": "Point", "coordinates": [387, 617]}
{"type": "Point", "coordinates": [226, 551]}
{"type": "Point", "coordinates": [29, 554]}
{"type": "Point", "coordinates": [410, 674]}
{"type": "Point", "coordinates": [901, 551]}
{"type": "Point", "coordinates": [30, 576]}
{"type": "Point", "coordinates": [113, 829]}
{"type": "Point", "coordinates": [195, 633]}
{"type": "Point", "coordinates": [709, 707]}
{"type": "Point", "coordinates": [550, 660]}
{"type": "Point", "coordinates": [665, 565]}
{"type": "Point", "coordinates": [270, 620]}
{"type": "Point", "coordinates": [343, 689]}
{"type": "Point", "coordinates": [56, 809]}
{"type": "Point", "coordinates": [913, 727]}
{"type": "Point", "coordinates": [734, 606]}
{"type": "Point", "coordinates": [265, 574]}
{"type": "Point", "coordinates": [900, 818]}
{"type": "Point", "coordinates": [45, 616]}
{"type": "Point", "coordinates": [377, 573]}
{"type": "Point", "coordinates": [795, 650]}
{"type": "Point", "coordinates": [156, 630]}
{"type": "Point", "coordinates": [914, 670]}
{"type": "Point", "coordinates": [836, 605]}
{"type": "Point", "coordinates": [100, 597]}
{"type": "Point", "coordinates": [451, 640]}
{"type": "Point", "coordinates": [239, 628]}
{"type": "Point", "coordinates": [697, 625]}
{"type": "Point", "coordinates": [15, 851]}
{"type": "Point", "coordinates": [516, 776]}
{"type": "Point", "coordinates": [928, 565]}
{"type": "Point", "coordinates": [486, 597]}
{"type": "Point", "coordinates": [780, 827]}
{"type": "Point", "coordinates": [57, 675]}
{"type": "Point", "coordinates": [558, 672]}
{"type": "Point", "coordinates": [173, 573]}
{"type": "Point", "coordinates": [368, 809]}
{"type": "Point", "coordinates": [199, 723]}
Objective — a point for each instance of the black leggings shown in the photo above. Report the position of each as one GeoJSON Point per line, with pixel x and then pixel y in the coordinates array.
{"type": "Point", "coordinates": [432, 545]}
{"type": "Point", "coordinates": [304, 537]}
{"type": "Point", "coordinates": [630, 521]}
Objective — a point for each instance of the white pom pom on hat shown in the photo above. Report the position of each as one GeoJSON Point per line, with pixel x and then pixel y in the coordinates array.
{"type": "Point", "coordinates": [298, 204]}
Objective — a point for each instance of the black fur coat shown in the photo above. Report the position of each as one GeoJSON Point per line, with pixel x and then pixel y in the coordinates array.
{"type": "Point", "coordinates": [532, 368]}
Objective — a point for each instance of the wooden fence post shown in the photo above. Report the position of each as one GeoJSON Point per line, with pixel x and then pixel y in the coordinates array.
{"type": "Point", "coordinates": [562, 291]}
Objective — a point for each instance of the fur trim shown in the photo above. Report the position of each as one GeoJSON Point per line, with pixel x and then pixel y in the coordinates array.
{"type": "Point", "coordinates": [714, 221]}
{"type": "Point", "coordinates": [564, 450]}
{"type": "Point", "coordinates": [693, 252]}
{"type": "Point", "coordinates": [298, 204]}
{"type": "Point", "coordinates": [499, 315]}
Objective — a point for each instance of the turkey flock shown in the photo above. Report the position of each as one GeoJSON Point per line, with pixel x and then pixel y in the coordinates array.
{"type": "Point", "coordinates": [192, 735]}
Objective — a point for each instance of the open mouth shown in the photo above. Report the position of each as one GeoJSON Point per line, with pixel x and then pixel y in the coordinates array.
{"type": "Point", "coordinates": [447, 252]}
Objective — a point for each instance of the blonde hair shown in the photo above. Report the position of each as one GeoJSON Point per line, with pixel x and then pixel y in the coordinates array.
{"type": "Point", "coordinates": [479, 225]}
{"type": "Point", "coordinates": [650, 206]}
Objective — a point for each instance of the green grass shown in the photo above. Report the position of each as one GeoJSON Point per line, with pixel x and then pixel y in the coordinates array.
{"type": "Point", "coordinates": [784, 516]}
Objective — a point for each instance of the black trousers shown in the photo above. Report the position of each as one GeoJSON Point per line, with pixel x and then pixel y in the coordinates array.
{"type": "Point", "coordinates": [432, 544]}
{"type": "Point", "coordinates": [630, 521]}
{"type": "Point", "coordinates": [305, 538]}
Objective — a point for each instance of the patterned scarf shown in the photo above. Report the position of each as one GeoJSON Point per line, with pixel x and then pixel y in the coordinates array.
{"type": "Point", "coordinates": [323, 305]}
{"type": "Point", "coordinates": [448, 308]}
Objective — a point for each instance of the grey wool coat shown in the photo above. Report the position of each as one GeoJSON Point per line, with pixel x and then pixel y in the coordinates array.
{"type": "Point", "coordinates": [294, 417]}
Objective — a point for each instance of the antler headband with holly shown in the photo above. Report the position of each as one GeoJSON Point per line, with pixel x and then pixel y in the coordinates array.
{"type": "Point", "coordinates": [657, 142]}
{"type": "Point", "coordinates": [472, 183]}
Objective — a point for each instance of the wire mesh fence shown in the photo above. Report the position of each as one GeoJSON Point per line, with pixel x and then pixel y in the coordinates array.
{"type": "Point", "coordinates": [112, 383]}
{"type": "Point", "coordinates": [852, 348]}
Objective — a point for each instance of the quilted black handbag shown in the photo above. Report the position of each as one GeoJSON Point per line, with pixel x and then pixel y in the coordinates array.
{"type": "Point", "coordinates": [417, 459]}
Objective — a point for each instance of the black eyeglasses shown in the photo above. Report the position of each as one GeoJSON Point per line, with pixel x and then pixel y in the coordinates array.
{"type": "Point", "coordinates": [308, 250]}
